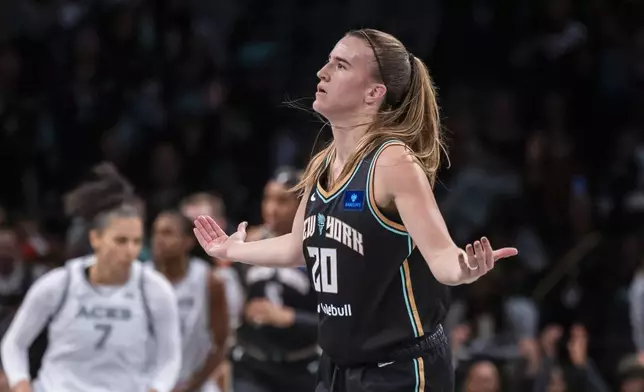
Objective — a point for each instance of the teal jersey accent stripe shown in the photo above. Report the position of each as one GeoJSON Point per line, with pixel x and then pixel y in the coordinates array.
{"type": "Point", "coordinates": [404, 289]}
{"type": "Point", "coordinates": [407, 304]}
{"type": "Point", "coordinates": [418, 375]}
{"type": "Point", "coordinates": [369, 174]}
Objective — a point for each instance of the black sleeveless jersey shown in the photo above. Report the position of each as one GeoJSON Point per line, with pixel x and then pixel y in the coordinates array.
{"type": "Point", "coordinates": [375, 291]}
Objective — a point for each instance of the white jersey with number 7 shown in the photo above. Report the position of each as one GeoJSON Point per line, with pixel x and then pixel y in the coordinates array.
{"type": "Point", "coordinates": [97, 335]}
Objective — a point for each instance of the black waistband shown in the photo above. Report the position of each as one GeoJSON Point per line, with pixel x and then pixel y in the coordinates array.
{"type": "Point", "coordinates": [434, 341]}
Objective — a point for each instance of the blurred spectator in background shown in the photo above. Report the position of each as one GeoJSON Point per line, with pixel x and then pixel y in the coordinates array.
{"type": "Point", "coordinates": [483, 376]}
{"type": "Point", "coordinates": [575, 373]}
{"type": "Point", "coordinates": [205, 204]}
{"type": "Point", "coordinates": [631, 374]}
{"type": "Point", "coordinates": [16, 275]}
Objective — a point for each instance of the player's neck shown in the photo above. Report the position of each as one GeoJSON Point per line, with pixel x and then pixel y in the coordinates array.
{"type": "Point", "coordinates": [102, 274]}
{"type": "Point", "coordinates": [346, 138]}
{"type": "Point", "coordinates": [174, 270]}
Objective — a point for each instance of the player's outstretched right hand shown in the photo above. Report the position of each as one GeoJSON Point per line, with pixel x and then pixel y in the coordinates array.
{"type": "Point", "coordinates": [214, 240]}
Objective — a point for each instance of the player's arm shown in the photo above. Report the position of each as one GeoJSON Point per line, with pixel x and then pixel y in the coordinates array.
{"type": "Point", "coordinates": [164, 312]}
{"type": "Point", "coordinates": [282, 251]}
{"type": "Point", "coordinates": [403, 182]}
{"type": "Point", "coordinates": [219, 330]}
{"type": "Point", "coordinates": [40, 303]}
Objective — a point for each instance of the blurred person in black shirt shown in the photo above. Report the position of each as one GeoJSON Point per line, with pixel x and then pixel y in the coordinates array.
{"type": "Point", "coordinates": [276, 347]}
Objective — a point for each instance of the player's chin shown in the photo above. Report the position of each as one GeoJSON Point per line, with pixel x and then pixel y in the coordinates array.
{"type": "Point", "coordinates": [316, 105]}
{"type": "Point", "coordinates": [320, 105]}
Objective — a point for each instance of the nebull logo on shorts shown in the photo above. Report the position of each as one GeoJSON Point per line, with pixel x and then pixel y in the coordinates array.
{"type": "Point", "coordinates": [335, 311]}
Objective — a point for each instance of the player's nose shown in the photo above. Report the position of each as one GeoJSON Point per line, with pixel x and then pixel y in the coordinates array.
{"type": "Point", "coordinates": [133, 250]}
{"type": "Point", "coordinates": [323, 74]}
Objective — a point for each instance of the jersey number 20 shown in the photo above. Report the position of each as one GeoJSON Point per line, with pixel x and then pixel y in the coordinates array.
{"type": "Point", "coordinates": [325, 269]}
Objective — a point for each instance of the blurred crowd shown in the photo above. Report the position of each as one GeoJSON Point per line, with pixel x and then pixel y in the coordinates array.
{"type": "Point", "coordinates": [542, 105]}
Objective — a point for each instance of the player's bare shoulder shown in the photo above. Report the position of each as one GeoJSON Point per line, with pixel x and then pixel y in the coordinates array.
{"type": "Point", "coordinates": [397, 171]}
{"type": "Point", "coordinates": [396, 155]}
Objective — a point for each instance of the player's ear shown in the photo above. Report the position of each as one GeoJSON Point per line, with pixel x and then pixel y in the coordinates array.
{"type": "Point", "coordinates": [95, 239]}
{"type": "Point", "coordinates": [376, 93]}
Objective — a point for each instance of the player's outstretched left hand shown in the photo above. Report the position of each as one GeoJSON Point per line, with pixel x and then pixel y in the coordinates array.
{"type": "Point", "coordinates": [481, 259]}
{"type": "Point", "coordinates": [214, 240]}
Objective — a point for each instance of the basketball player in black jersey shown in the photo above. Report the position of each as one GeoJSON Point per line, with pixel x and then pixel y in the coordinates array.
{"type": "Point", "coordinates": [369, 229]}
{"type": "Point", "coordinates": [276, 348]}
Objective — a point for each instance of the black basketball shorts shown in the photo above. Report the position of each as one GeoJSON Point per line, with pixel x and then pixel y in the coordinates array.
{"type": "Point", "coordinates": [251, 375]}
{"type": "Point", "coordinates": [425, 367]}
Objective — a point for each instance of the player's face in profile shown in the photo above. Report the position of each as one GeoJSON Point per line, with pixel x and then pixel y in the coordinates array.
{"type": "Point", "coordinates": [346, 79]}
{"type": "Point", "coordinates": [119, 243]}
{"type": "Point", "coordinates": [168, 240]}
{"type": "Point", "coordinates": [278, 207]}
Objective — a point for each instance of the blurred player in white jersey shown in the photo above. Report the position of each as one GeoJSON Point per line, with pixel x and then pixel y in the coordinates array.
{"type": "Point", "coordinates": [101, 310]}
{"type": "Point", "coordinates": [201, 294]}
{"type": "Point", "coordinates": [206, 204]}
